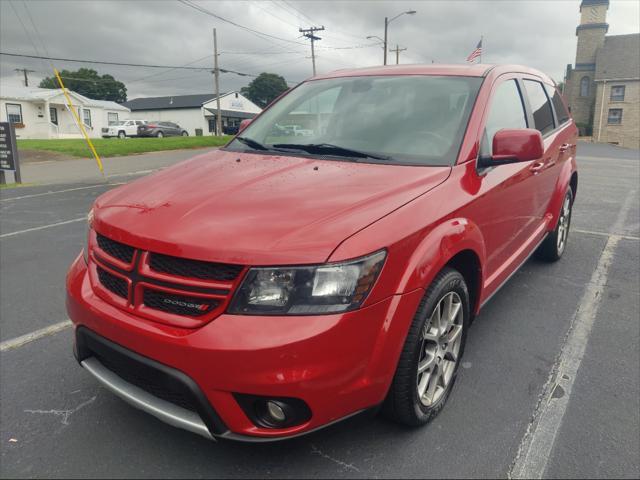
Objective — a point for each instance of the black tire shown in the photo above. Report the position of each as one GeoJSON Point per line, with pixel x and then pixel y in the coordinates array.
{"type": "Point", "coordinates": [122, 134]}
{"type": "Point", "coordinates": [403, 404]}
{"type": "Point", "coordinates": [160, 134]}
{"type": "Point", "coordinates": [552, 249]}
{"type": "Point", "coordinates": [185, 134]}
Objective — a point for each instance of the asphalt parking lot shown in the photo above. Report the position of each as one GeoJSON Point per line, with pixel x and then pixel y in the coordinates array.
{"type": "Point", "coordinates": [512, 411]}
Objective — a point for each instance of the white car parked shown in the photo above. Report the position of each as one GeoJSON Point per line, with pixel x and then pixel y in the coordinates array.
{"type": "Point", "coordinates": [123, 129]}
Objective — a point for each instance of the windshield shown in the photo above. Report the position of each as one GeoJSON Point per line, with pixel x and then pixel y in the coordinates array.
{"type": "Point", "coordinates": [403, 119]}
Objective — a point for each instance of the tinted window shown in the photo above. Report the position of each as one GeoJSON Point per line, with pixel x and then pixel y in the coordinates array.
{"type": "Point", "coordinates": [558, 104]}
{"type": "Point", "coordinates": [506, 110]}
{"type": "Point", "coordinates": [540, 106]}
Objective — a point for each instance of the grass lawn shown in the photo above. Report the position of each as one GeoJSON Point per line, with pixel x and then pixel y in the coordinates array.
{"type": "Point", "coordinates": [113, 147]}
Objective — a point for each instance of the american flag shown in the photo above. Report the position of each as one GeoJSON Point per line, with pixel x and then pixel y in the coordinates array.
{"type": "Point", "coordinates": [476, 53]}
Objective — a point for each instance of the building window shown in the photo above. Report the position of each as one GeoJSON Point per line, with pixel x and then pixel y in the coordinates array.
{"type": "Point", "coordinates": [615, 116]}
{"type": "Point", "coordinates": [112, 118]}
{"type": "Point", "coordinates": [86, 116]}
{"type": "Point", "coordinates": [53, 115]}
{"type": "Point", "coordinates": [617, 93]}
{"type": "Point", "coordinates": [14, 113]}
{"type": "Point", "coordinates": [584, 86]}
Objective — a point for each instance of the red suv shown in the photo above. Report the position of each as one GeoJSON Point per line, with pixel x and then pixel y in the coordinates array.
{"type": "Point", "coordinates": [283, 283]}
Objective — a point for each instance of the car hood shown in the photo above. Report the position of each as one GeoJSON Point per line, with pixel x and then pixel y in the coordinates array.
{"type": "Point", "coordinates": [257, 209]}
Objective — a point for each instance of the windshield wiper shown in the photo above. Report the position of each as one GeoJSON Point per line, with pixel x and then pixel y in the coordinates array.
{"type": "Point", "coordinates": [252, 143]}
{"type": "Point", "coordinates": [330, 149]}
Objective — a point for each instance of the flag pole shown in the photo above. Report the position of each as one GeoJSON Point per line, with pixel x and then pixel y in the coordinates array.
{"type": "Point", "coordinates": [481, 47]}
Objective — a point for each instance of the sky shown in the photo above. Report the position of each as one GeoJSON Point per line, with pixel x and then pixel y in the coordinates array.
{"type": "Point", "coordinates": [539, 33]}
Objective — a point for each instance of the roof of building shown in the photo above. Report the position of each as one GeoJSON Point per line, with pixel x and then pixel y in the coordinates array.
{"type": "Point", "coordinates": [232, 113]}
{"type": "Point", "coordinates": [586, 3]}
{"type": "Point", "coordinates": [44, 94]}
{"type": "Point", "coordinates": [107, 105]}
{"type": "Point", "coordinates": [174, 101]}
{"type": "Point", "coordinates": [29, 93]}
{"type": "Point", "coordinates": [618, 58]}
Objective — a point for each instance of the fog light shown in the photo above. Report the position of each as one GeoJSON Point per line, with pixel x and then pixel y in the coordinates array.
{"type": "Point", "coordinates": [276, 412]}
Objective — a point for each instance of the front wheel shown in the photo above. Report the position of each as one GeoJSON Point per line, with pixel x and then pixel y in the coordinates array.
{"type": "Point", "coordinates": [159, 134]}
{"type": "Point", "coordinates": [432, 351]}
{"type": "Point", "coordinates": [555, 244]}
{"type": "Point", "coordinates": [185, 134]}
{"type": "Point", "coordinates": [121, 134]}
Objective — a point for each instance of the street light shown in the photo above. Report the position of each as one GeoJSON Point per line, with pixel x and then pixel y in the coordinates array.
{"type": "Point", "coordinates": [386, 27]}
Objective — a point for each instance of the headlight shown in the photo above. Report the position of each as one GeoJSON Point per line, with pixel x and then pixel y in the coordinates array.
{"type": "Point", "coordinates": [89, 226]}
{"type": "Point", "coordinates": [308, 290]}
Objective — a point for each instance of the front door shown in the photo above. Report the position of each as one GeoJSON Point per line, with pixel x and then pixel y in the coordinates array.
{"type": "Point", "coordinates": [505, 208]}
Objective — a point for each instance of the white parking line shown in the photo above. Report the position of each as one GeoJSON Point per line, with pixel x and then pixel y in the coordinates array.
{"type": "Point", "coordinates": [605, 234]}
{"type": "Point", "coordinates": [537, 444]}
{"type": "Point", "coordinates": [54, 192]}
{"type": "Point", "coordinates": [34, 229]}
{"type": "Point", "coordinates": [30, 337]}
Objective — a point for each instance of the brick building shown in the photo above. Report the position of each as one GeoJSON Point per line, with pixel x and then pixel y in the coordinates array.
{"type": "Point", "coordinates": [603, 88]}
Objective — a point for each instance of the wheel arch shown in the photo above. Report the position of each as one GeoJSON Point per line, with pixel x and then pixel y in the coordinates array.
{"type": "Point", "coordinates": [467, 263]}
{"type": "Point", "coordinates": [568, 177]}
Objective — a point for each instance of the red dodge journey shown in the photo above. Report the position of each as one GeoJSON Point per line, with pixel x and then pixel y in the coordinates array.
{"type": "Point", "coordinates": [330, 258]}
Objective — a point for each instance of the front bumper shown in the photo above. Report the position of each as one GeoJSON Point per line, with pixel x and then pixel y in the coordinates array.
{"type": "Point", "coordinates": [338, 364]}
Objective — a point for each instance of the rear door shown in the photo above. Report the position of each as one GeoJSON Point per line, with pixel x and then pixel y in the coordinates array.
{"type": "Point", "coordinates": [542, 118]}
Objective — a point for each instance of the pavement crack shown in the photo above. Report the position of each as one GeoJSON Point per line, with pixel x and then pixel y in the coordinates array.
{"type": "Point", "coordinates": [316, 451]}
{"type": "Point", "coordinates": [65, 414]}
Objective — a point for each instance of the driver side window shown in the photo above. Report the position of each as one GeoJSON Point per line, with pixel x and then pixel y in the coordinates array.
{"type": "Point", "coordinates": [506, 111]}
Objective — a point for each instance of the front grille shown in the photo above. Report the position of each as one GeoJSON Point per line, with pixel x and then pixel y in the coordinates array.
{"type": "Point", "coordinates": [112, 283]}
{"type": "Point", "coordinates": [185, 267]}
{"type": "Point", "coordinates": [178, 304]}
{"type": "Point", "coordinates": [116, 249]}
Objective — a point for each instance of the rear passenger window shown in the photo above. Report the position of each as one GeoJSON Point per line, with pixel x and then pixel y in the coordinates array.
{"type": "Point", "coordinates": [558, 104]}
{"type": "Point", "coordinates": [506, 111]}
{"type": "Point", "coordinates": [540, 106]}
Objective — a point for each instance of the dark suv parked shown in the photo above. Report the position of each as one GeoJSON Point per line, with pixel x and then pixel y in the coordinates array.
{"type": "Point", "coordinates": [161, 129]}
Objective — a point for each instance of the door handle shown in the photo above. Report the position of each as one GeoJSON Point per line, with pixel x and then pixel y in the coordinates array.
{"type": "Point", "coordinates": [565, 146]}
{"type": "Point", "coordinates": [536, 166]}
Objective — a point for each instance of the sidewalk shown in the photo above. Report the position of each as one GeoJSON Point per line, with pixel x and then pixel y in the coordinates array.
{"type": "Point", "coordinates": [86, 170]}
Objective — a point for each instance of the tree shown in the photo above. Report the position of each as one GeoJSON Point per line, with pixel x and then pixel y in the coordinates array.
{"type": "Point", "coordinates": [264, 89]}
{"type": "Point", "coordinates": [87, 82]}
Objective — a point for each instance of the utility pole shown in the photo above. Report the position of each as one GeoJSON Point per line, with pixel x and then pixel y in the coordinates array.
{"type": "Point", "coordinates": [386, 27]}
{"type": "Point", "coordinates": [309, 33]}
{"type": "Point", "coordinates": [397, 50]}
{"type": "Point", "coordinates": [25, 71]}
{"type": "Point", "coordinates": [216, 74]}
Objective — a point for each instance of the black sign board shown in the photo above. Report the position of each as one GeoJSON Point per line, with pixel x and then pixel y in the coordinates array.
{"type": "Point", "coordinates": [8, 148]}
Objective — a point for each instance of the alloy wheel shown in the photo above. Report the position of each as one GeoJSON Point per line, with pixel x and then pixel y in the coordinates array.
{"type": "Point", "coordinates": [563, 224]}
{"type": "Point", "coordinates": [440, 348]}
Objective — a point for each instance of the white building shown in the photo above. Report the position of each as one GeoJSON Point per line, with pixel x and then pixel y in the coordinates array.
{"type": "Point", "coordinates": [44, 113]}
{"type": "Point", "coordinates": [195, 113]}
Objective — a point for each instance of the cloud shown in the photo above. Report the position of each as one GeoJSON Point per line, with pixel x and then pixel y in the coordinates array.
{"type": "Point", "coordinates": [540, 34]}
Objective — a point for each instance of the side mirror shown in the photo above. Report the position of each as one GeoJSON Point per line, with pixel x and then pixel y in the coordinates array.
{"type": "Point", "coordinates": [514, 145]}
{"type": "Point", "coordinates": [244, 124]}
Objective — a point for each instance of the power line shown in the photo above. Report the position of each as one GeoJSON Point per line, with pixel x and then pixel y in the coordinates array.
{"type": "Point", "coordinates": [139, 65]}
{"type": "Point", "coordinates": [191, 4]}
